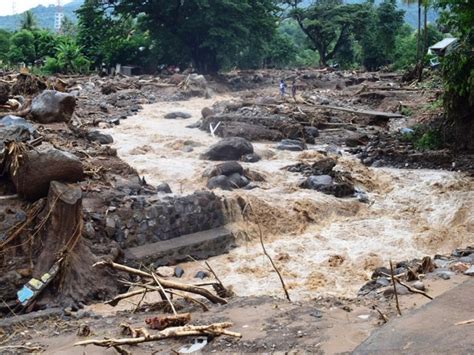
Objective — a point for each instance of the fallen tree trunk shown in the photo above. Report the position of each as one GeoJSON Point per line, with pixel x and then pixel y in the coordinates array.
{"type": "Point", "coordinates": [372, 113]}
{"type": "Point", "coordinates": [212, 330]}
{"type": "Point", "coordinates": [36, 170]}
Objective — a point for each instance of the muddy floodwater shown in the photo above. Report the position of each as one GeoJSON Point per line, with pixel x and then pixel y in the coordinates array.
{"type": "Point", "coordinates": [322, 244]}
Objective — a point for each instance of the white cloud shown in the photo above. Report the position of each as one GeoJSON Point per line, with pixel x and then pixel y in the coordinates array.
{"type": "Point", "coordinates": [6, 6]}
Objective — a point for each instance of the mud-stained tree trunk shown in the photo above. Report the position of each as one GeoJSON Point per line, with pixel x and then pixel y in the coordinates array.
{"type": "Point", "coordinates": [62, 238]}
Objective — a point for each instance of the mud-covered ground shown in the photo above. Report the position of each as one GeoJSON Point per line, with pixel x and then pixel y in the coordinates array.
{"type": "Point", "coordinates": [325, 247]}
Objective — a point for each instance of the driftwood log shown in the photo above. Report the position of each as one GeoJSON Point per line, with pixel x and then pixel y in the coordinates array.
{"type": "Point", "coordinates": [212, 330]}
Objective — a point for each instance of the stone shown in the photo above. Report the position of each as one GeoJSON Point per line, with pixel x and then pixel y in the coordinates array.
{"type": "Point", "coordinates": [356, 139]}
{"type": "Point", "coordinates": [312, 132]}
{"type": "Point", "coordinates": [440, 263]}
{"type": "Point", "coordinates": [401, 290]}
{"type": "Point", "coordinates": [238, 181]}
{"type": "Point", "coordinates": [99, 137]}
{"type": "Point", "coordinates": [108, 89]}
{"type": "Point", "coordinates": [316, 182]}
{"type": "Point", "coordinates": [220, 181]}
{"type": "Point", "coordinates": [380, 272]}
{"type": "Point", "coordinates": [178, 272]}
{"type": "Point", "coordinates": [14, 121]}
{"type": "Point", "coordinates": [292, 145]}
{"type": "Point", "coordinates": [165, 271]}
{"type": "Point", "coordinates": [201, 275]}
{"type": "Point", "coordinates": [177, 114]}
{"type": "Point", "coordinates": [250, 158]}
{"type": "Point", "coordinates": [227, 168]}
{"type": "Point", "coordinates": [419, 285]}
{"type": "Point", "coordinates": [470, 271]}
{"type": "Point", "coordinates": [229, 149]}
{"type": "Point", "coordinates": [443, 274]}
{"type": "Point", "coordinates": [52, 106]}
{"type": "Point", "coordinates": [164, 188]}
{"type": "Point", "coordinates": [206, 112]}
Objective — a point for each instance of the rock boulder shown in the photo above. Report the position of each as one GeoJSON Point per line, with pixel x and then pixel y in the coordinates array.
{"type": "Point", "coordinates": [52, 106]}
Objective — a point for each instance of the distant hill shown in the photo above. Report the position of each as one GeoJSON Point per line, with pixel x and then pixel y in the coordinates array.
{"type": "Point", "coordinates": [44, 15]}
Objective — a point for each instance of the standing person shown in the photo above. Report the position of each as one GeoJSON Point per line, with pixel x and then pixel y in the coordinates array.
{"type": "Point", "coordinates": [293, 89]}
{"type": "Point", "coordinates": [282, 88]}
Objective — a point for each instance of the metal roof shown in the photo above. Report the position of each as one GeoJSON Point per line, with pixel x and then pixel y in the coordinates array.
{"type": "Point", "coordinates": [445, 43]}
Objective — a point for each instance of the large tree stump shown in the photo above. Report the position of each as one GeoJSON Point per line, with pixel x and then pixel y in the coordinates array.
{"type": "Point", "coordinates": [62, 237]}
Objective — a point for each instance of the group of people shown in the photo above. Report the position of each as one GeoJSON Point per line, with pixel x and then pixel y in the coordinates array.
{"type": "Point", "coordinates": [283, 88]}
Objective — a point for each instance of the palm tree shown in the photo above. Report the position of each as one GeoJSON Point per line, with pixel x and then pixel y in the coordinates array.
{"type": "Point", "coordinates": [28, 21]}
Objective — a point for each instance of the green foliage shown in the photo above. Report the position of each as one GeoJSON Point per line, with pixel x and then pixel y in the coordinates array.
{"type": "Point", "coordinates": [45, 43]}
{"type": "Point", "coordinates": [110, 39]}
{"type": "Point", "coordinates": [458, 71]}
{"type": "Point", "coordinates": [406, 42]}
{"type": "Point", "coordinates": [22, 47]}
{"type": "Point", "coordinates": [424, 138]}
{"type": "Point", "coordinates": [210, 34]}
{"type": "Point", "coordinates": [4, 45]}
{"type": "Point", "coordinates": [68, 59]}
{"type": "Point", "coordinates": [28, 22]}
{"type": "Point", "coordinates": [68, 27]}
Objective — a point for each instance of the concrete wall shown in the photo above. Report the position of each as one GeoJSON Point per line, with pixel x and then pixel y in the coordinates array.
{"type": "Point", "coordinates": [148, 221]}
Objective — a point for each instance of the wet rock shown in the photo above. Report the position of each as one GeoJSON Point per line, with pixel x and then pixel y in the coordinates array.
{"type": "Point", "coordinates": [470, 271]}
{"type": "Point", "coordinates": [14, 121]}
{"type": "Point", "coordinates": [251, 158]}
{"type": "Point", "coordinates": [318, 182]}
{"type": "Point", "coordinates": [194, 125]}
{"type": "Point", "coordinates": [443, 274]}
{"type": "Point", "coordinates": [99, 137]}
{"type": "Point", "coordinates": [380, 272]}
{"type": "Point", "coordinates": [251, 186]}
{"type": "Point", "coordinates": [165, 271]}
{"type": "Point", "coordinates": [292, 145]}
{"type": "Point", "coordinates": [108, 89]}
{"type": "Point", "coordinates": [206, 112]}
{"type": "Point", "coordinates": [52, 106]}
{"type": "Point", "coordinates": [177, 114]}
{"type": "Point", "coordinates": [227, 168]}
{"type": "Point", "coordinates": [419, 285]}
{"type": "Point", "coordinates": [164, 188]}
{"type": "Point", "coordinates": [440, 263]}
{"type": "Point", "coordinates": [201, 275]}
{"type": "Point", "coordinates": [220, 181]}
{"type": "Point", "coordinates": [38, 169]}
{"type": "Point", "coordinates": [178, 272]}
{"type": "Point", "coordinates": [229, 149]}
{"type": "Point", "coordinates": [401, 290]}
{"type": "Point", "coordinates": [320, 167]}
{"type": "Point", "coordinates": [238, 181]}
{"type": "Point", "coordinates": [463, 252]}
{"type": "Point", "coordinates": [312, 131]}
{"type": "Point", "coordinates": [356, 139]}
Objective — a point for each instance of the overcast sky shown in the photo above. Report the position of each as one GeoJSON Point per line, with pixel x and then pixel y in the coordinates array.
{"type": "Point", "coordinates": [6, 6]}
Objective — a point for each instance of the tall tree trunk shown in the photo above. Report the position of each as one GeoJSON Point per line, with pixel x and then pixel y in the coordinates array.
{"type": "Point", "coordinates": [418, 42]}
{"type": "Point", "coordinates": [425, 42]}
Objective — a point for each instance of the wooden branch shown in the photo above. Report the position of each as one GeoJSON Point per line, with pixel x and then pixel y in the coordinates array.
{"type": "Point", "coordinates": [190, 299]}
{"type": "Point", "coordinates": [470, 321]}
{"type": "Point", "coordinates": [161, 323]}
{"type": "Point", "coordinates": [414, 290]}
{"type": "Point", "coordinates": [395, 288]}
{"type": "Point", "coordinates": [387, 115]}
{"type": "Point", "coordinates": [213, 330]}
{"type": "Point", "coordinates": [164, 293]}
{"type": "Point", "coordinates": [382, 315]}
{"type": "Point", "coordinates": [123, 296]}
{"type": "Point", "coordinates": [166, 283]}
